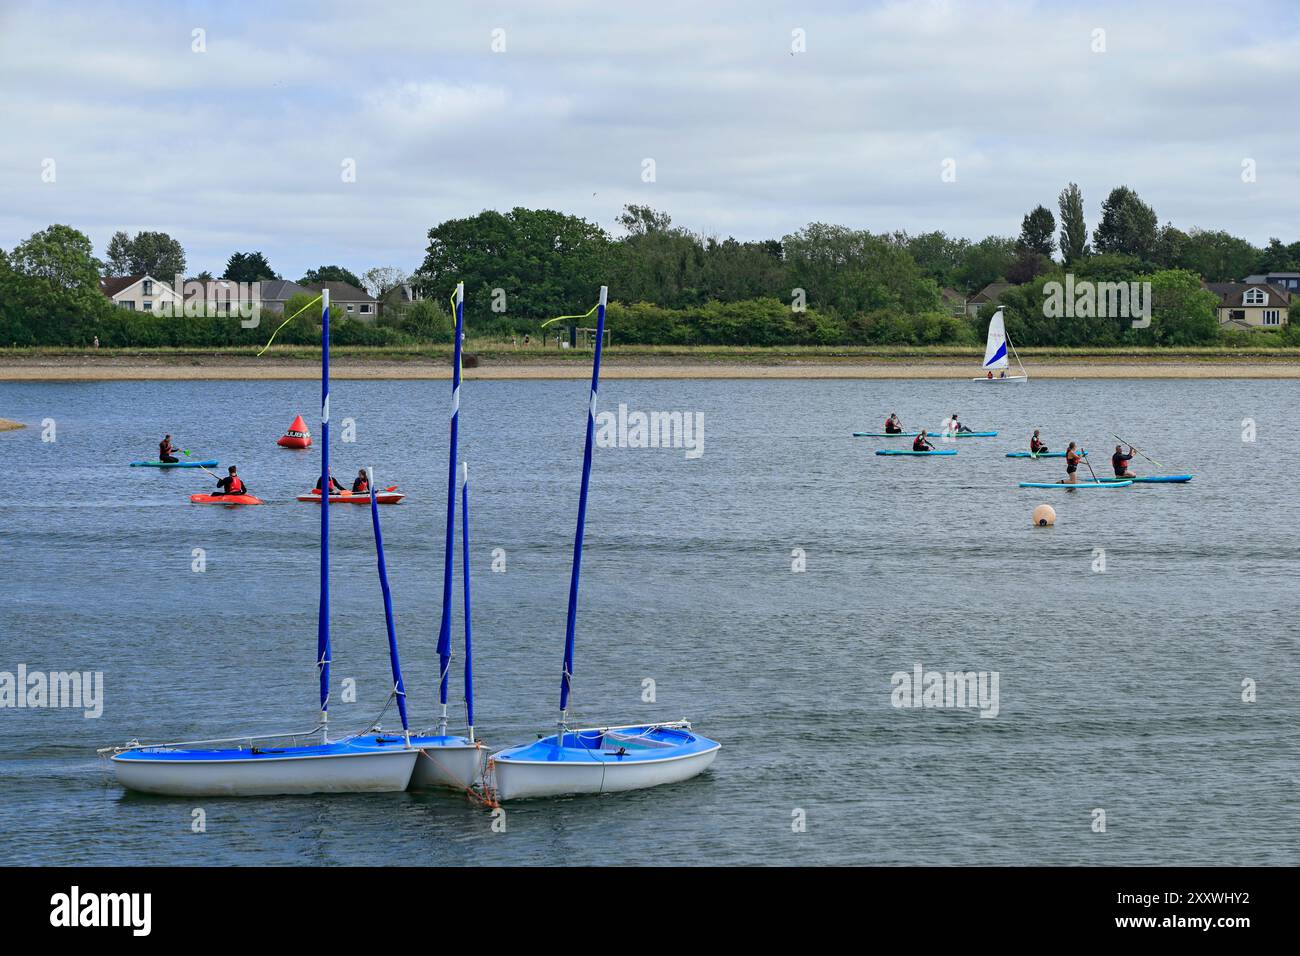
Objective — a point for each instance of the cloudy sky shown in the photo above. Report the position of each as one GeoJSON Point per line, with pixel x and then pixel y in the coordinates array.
{"type": "Point", "coordinates": [239, 137]}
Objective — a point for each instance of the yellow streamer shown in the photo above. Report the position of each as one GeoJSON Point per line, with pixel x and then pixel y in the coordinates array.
{"type": "Point", "coordinates": [286, 322]}
{"type": "Point", "coordinates": [583, 316]}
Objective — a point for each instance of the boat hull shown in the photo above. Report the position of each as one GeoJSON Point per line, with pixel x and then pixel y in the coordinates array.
{"type": "Point", "coordinates": [447, 763]}
{"type": "Point", "coordinates": [1010, 378]}
{"type": "Point", "coordinates": [543, 769]}
{"type": "Point", "coordinates": [383, 497]}
{"type": "Point", "coordinates": [330, 768]}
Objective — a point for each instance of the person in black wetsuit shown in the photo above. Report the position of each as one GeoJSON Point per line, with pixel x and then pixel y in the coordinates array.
{"type": "Point", "coordinates": [892, 425]}
{"type": "Point", "coordinates": [1072, 459]}
{"type": "Point", "coordinates": [335, 487]}
{"type": "Point", "coordinates": [919, 443]}
{"type": "Point", "coordinates": [362, 484]}
{"type": "Point", "coordinates": [1119, 461]}
{"type": "Point", "coordinates": [165, 449]}
{"type": "Point", "coordinates": [1036, 444]}
{"type": "Point", "coordinates": [232, 484]}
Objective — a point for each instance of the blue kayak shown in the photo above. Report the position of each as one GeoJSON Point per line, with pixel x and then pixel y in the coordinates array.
{"type": "Point", "coordinates": [900, 451]}
{"type": "Point", "coordinates": [1043, 454]}
{"type": "Point", "coordinates": [1151, 480]}
{"type": "Point", "coordinates": [174, 464]}
{"type": "Point", "coordinates": [1114, 483]}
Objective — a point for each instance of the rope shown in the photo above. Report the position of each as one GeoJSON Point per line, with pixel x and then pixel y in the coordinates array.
{"type": "Point", "coordinates": [286, 322]}
{"type": "Point", "coordinates": [559, 317]}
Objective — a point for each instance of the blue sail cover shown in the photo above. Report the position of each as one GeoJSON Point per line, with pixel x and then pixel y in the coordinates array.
{"type": "Point", "coordinates": [567, 676]}
{"type": "Point", "coordinates": [464, 562]}
{"type": "Point", "coordinates": [323, 615]}
{"type": "Point", "coordinates": [444, 631]}
{"type": "Point", "coordinates": [398, 685]}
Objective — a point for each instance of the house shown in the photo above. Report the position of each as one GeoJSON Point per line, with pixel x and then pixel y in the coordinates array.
{"type": "Point", "coordinates": [986, 296]}
{"type": "Point", "coordinates": [276, 292]}
{"type": "Point", "coordinates": [400, 297]}
{"type": "Point", "coordinates": [347, 300]}
{"type": "Point", "coordinates": [1287, 281]}
{"type": "Point", "coordinates": [1250, 305]}
{"type": "Point", "coordinates": [142, 293]}
{"type": "Point", "coordinates": [953, 301]}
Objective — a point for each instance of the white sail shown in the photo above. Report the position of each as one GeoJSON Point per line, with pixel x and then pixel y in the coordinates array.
{"type": "Point", "coordinates": [995, 349]}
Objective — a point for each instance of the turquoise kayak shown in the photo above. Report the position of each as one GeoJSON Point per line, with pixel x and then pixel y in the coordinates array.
{"type": "Point", "coordinates": [176, 464]}
{"type": "Point", "coordinates": [885, 434]}
{"type": "Point", "coordinates": [1045, 454]}
{"type": "Point", "coordinates": [1114, 483]}
{"type": "Point", "coordinates": [1150, 480]}
{"type": "Point", "coordinates": [900, 451]}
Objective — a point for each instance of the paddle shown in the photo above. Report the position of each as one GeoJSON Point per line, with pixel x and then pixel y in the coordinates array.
{"type": "Point", "coordinates": [1138, 450]}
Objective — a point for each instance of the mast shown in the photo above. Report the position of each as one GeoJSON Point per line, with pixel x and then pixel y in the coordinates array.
{"type": "Point", "coordinates": [399, 688]}
{"type": "Point", "coordinates": [566, 676]}
{"type": "Point", "coordinates": [444, 630]}
{"type": "Point", "coordinates": [464, 566]}
{"type": "Point", "coordinates": [323, 615]}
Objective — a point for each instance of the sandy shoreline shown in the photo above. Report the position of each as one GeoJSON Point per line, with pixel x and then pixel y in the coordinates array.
{"type": "Point", "coordinates": [7, 426]}
{"type": "Point", "coordinates": [227, 369]}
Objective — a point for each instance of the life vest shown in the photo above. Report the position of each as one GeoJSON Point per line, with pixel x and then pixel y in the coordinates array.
{"type": "Point", "coordinates": [918, 444]}
{"type": "Point", "coordinates": [1119, 463]}
{"type": "Point", "coordinates": [236, 487]}
{"type": "Point", "coordinates": [1035, 444]}
{"type": "Point", "coordinates": [360, 487]}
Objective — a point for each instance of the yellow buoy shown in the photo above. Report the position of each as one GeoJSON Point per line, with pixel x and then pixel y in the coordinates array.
{"type": "Point", "coordinates": [1044, 516]}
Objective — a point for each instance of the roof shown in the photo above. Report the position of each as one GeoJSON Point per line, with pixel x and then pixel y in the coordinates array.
{"type": "Point", "coordinates": [1255, 280]}
{"type": "Point", "coordinates": [342, 291]}
{"type": "Point", "coordinates": [953, 295]}
{"type": "Point", "coordinates": [281, 290]}
{"type": "Point", "coordinates": [991, 292]}
{"type": "Point", "coordinates": [1231, 294]}
{"type": "Point", "coordinates": [112, 285]}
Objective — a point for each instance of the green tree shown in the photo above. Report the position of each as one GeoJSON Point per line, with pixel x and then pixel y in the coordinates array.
{"type": "Point", "coordinates": [1128, 225]}
{"type": "Point", "coordinates": [1074, 231]}
{"type": "Point", "coordinates": [119, 255]}
{"type": "Point", "coordinates": [1218, 256]}
{"type": "Point", "coordinates": [1036, 231]}
{"type": "Point", "coordinates": [62, 256]}
{"type": "Point", "coordinates": [156, 254]}
{"type": "Point", "coordinates": [331, 274]}
{"type": "Point", "coordinates": [852, 271]}
{"type": "Point", "coordinates": [638, 220]}
{"type": "Point", "coordinates": [248, 267]}
{"type": "Point", "coordinates": [986, 261]}
{"type": "Point", "coordinates": [1183, 313]}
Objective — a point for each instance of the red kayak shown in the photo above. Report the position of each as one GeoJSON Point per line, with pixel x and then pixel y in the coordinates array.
{"type": "Point", "coordinates": [347, 497]}
{"type": "Point", "coordinates": [225, 500]}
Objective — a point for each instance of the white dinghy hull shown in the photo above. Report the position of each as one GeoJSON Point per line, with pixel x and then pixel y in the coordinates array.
{"type": "Point", "coordinates": [447, 762]}
{"type": "Point", "coordinates": [235, 773]}
{"type": "Point", "coordinates": [590, 762]}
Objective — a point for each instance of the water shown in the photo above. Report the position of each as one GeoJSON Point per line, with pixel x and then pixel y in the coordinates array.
{"type": "Point", "coordinates": [1118, 690]}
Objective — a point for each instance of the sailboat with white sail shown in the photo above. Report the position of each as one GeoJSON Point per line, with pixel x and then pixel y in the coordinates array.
{"type": "Point", "coordinates": [995, 354]}
{"type": "Point", "coordinates": [452, 760]}
{"type": "Point", "coordinates": [596, 759]}
{"type": "Point", "coordinates": [254, 765]}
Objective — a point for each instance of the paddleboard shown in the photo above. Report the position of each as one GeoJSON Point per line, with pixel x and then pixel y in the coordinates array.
{"type": "Point", "coordinates": [943, 434]}
{"type": "Point", "coordinates": [899, 451]}
{"type": "Point", "coordinates": [225, 500]}
{"type": "Point", "coordinates": [1151, 479]}
{"type": "Point", "coordinates": [885, 434]}
{"type": "Point", "coordinates": [175, 464]}
{"type": "Point", "coordinates": [1078, 484]}
{"type": "Point", "coordinates": [347, 498]}
{"type": "Point", "coordinates": [1044, 454]}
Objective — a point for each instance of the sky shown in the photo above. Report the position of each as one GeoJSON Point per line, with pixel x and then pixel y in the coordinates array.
{"type": "Point", "coordinates": [235, 126]}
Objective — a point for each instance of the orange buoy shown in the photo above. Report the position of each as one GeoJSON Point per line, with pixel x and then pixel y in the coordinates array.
{"type": "Point", "coordinates": [1044, 516]}
{"type": "Point", "coordinates": [297, 436]}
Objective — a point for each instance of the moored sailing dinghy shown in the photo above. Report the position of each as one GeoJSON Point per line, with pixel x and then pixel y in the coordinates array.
{"type": "Point", "coordinates": [596, 759]}
{"type": "Point", "coordinates": [995, 354]}
{"type": "Point", "coordinates": [254, 766]}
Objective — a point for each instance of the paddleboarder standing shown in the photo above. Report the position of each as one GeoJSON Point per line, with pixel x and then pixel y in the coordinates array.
{"type": "Point", "coordinates": [165, 449]}
{"type": "Point", "coordinates": [1072, 459]}
{"type": "Point", "coordinates": [1119, 461]}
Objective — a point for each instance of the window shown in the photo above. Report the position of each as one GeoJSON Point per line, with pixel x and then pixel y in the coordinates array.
{"type": "Point", "coordinates": [147, 306]}
{"type": "Point", "coordinates": [366, 308]}
{"type": "Point", "coordinates": [127, 304]}
{"type": "Point", "coordinates": [148, 286]}
{"type": "Point", "coordinates": [1272, 316]}
{"type": "Point", "coordinates": [351, 307]}
{"type": "Point", "coordinates": [1254, 297]}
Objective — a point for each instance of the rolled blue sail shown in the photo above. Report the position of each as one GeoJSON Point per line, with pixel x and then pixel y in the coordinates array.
{"type": "Point", "coordinates": [398, 686]}
{"type": "Point", "coordinates": [464, 567]}
{"type": "Point", "coordinates": [566, 677]}
{"type": "Point", "coordinates": [323, 616]}
{"type": "Point", "coordinates": [444, 630]}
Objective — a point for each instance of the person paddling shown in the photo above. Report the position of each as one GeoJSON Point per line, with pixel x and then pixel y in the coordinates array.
{"type": "Point", "coordinates": [1036, 445]}
{"type": "Point", "coordinates": [335, 487]}
{"type": "Point", "coordinates": [892, 425]}
{"type": "Point", "coordinates": [361, 486]}
{"type": "Point", "coordinates": [1119, 461]}
{"type": "Point", "coordinates": [1072, 459]}
{"type": "Point", "coordinates": [232, 484]}
{"type": "Point", "coordinates": [919, 443]}
{"type": "Point", "coordinates": [165, 449]}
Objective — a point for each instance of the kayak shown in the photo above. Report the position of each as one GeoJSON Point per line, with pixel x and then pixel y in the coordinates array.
{"type": "Point", "coordinates": [348, 498]}
{"type": "Point", "coordinates": [1114, 483]}
{"type": "Point", "coordinates": [885, 434]}
{"type": "Point", "coordinates": [173, 464]}
{"type": "Point", "coordinates": [225, 500]}
{"type": "Point", "coordinates": [1151, 479]}
{"type": "Point", "coordinates": [1044, 454]}
{"type": "Point", "coordinates": [899, 451]}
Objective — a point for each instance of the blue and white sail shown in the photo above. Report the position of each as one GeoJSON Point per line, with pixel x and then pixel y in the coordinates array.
{"type": "Point", "coordinates": [995, 354]}
{"type": "Point", "coordinates": [596, 759]}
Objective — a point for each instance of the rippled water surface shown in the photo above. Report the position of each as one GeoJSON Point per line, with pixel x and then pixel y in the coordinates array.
{"type": "Point", "coordinates": [1119, 690]}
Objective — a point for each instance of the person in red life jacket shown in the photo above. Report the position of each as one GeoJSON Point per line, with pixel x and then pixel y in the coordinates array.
{"type": "Point", "coordinates": [232, 484]}
{"type": "Point", "coordinates": [1072, 459]}
{"type": "Point", "coordinates": [362, 485]}
{"type": "Point", "coordinates": [919, 443]}
{"type": "Point", "coordinates": [1119, 461]}
{"type": "Point", "coordinates": [165, 449]}
{"type": "Point", "coordinates": [1036, 444]}
{"type": "Point", "coordinates": [990, 374]}
{"type": "Point", "coordinates": [892, 425]}
{"type": "Point", "coordinates": [335, 487]}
